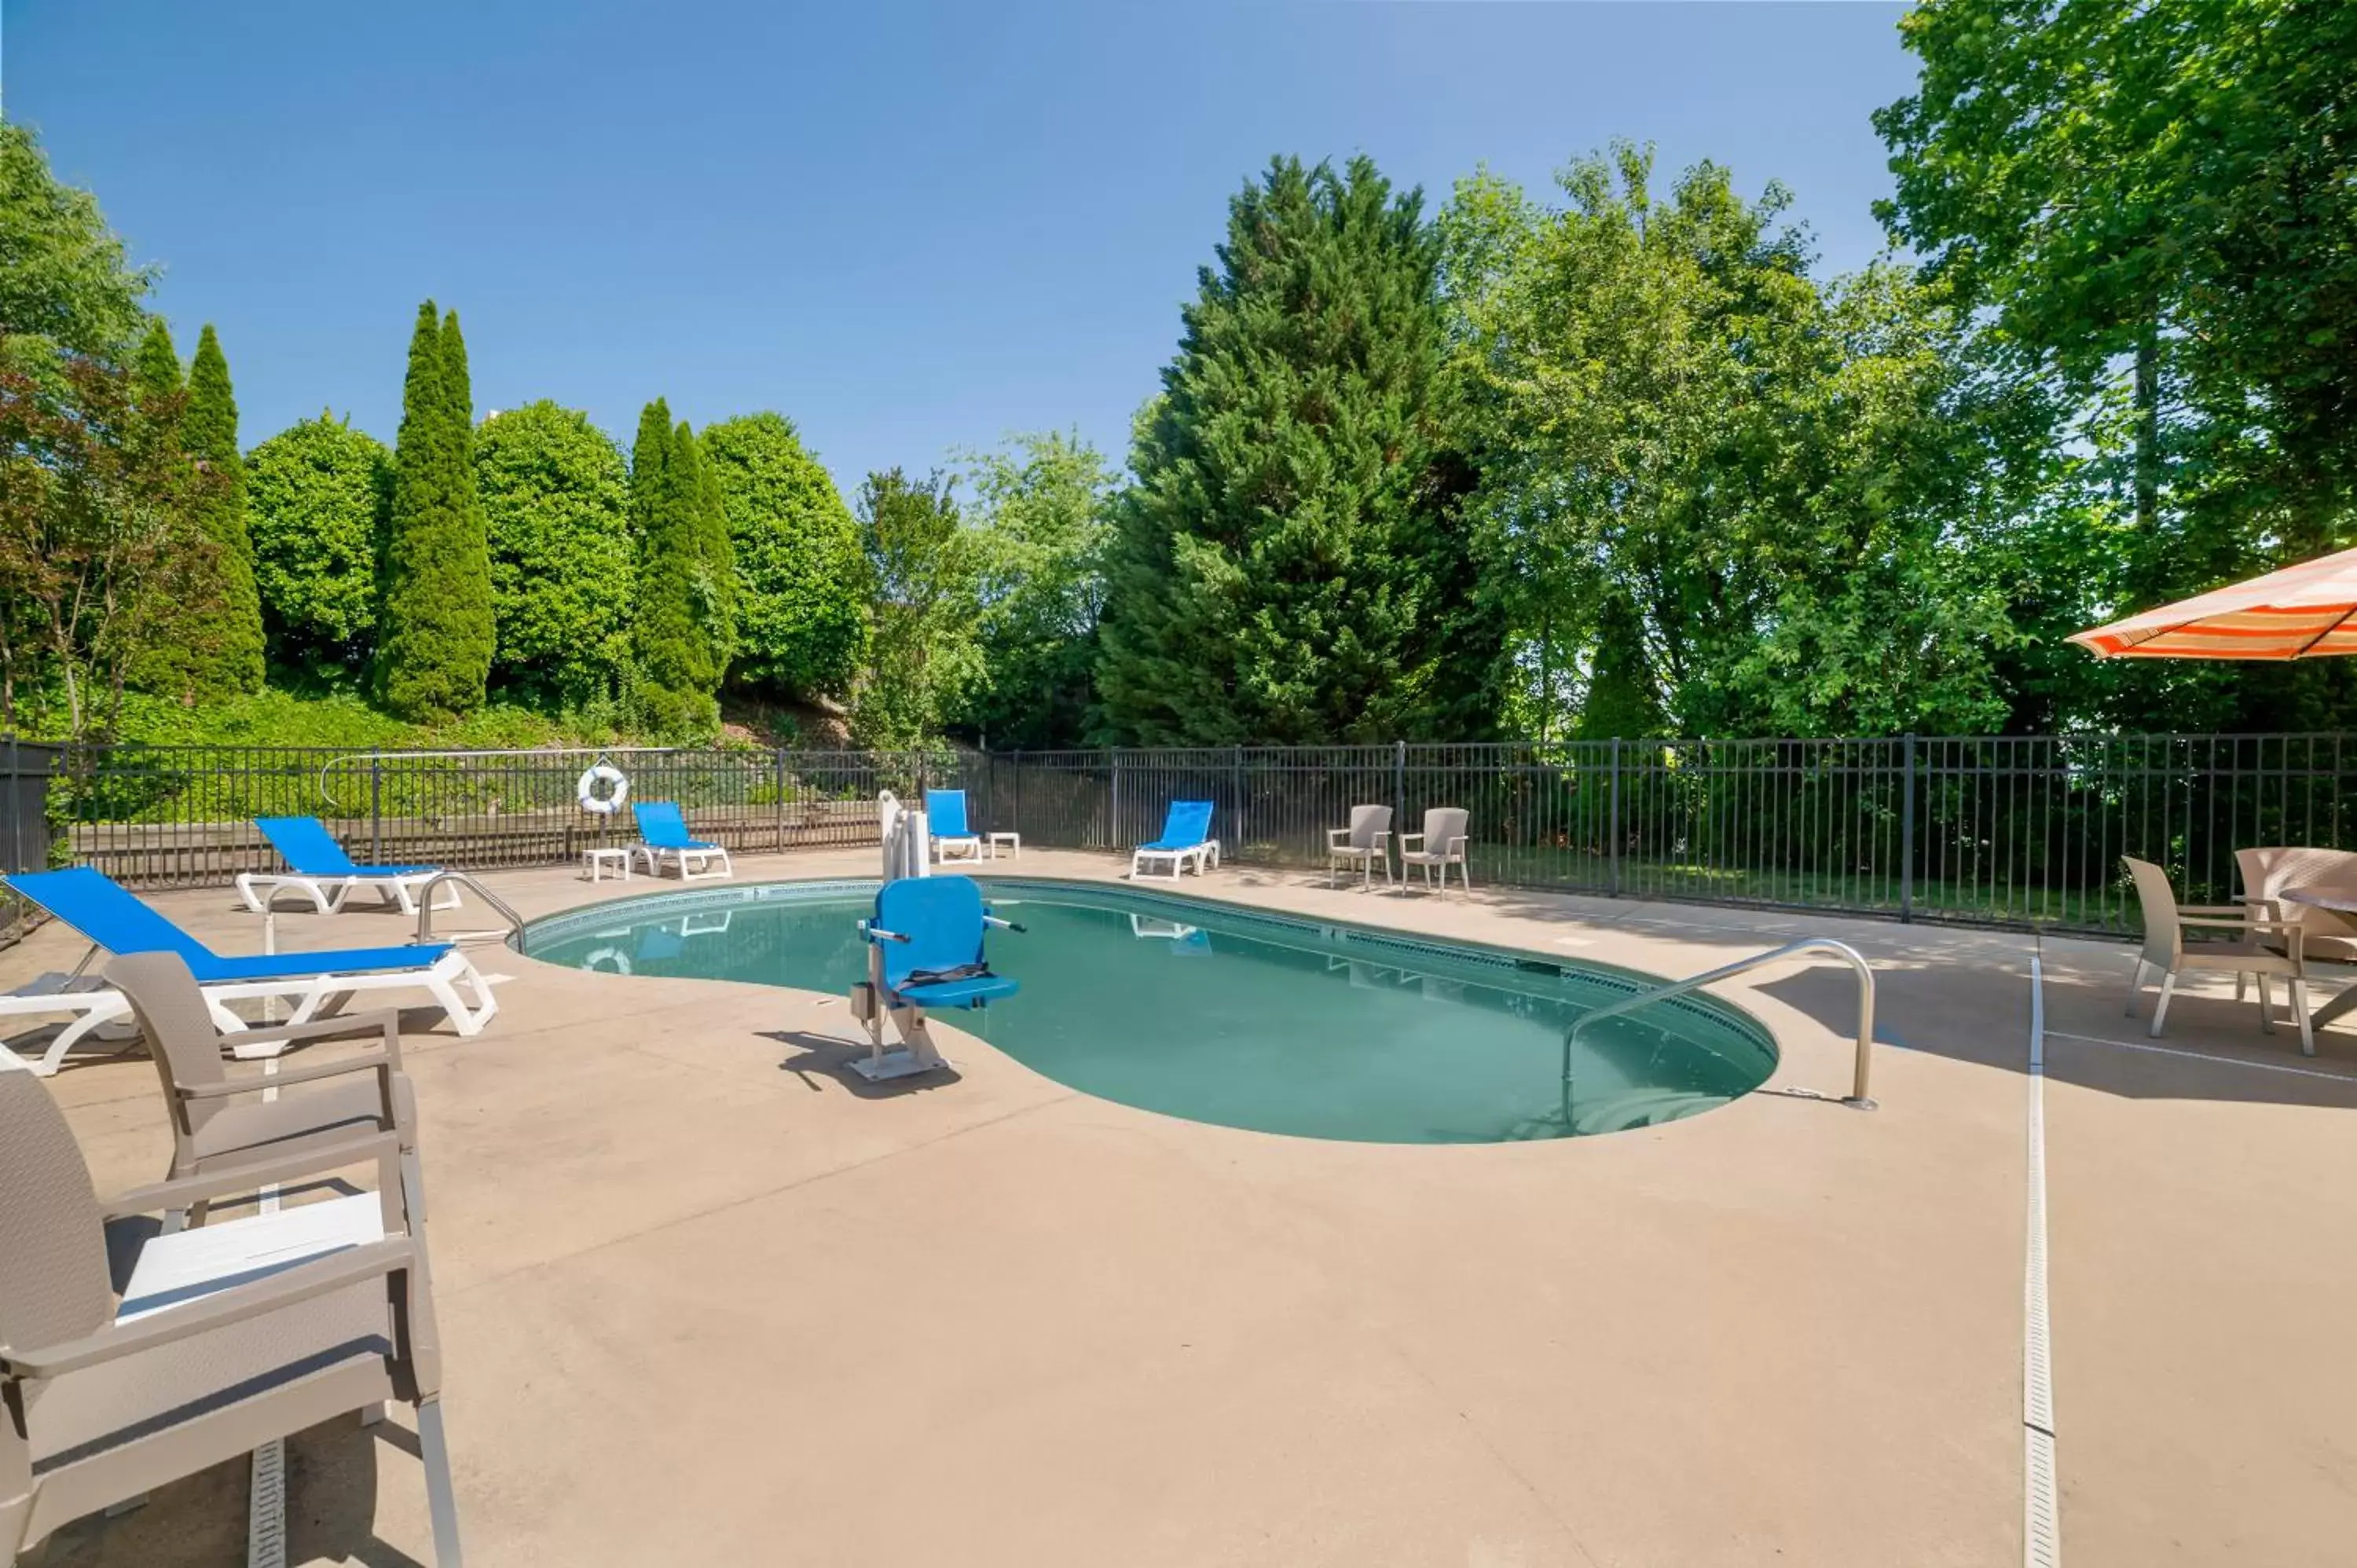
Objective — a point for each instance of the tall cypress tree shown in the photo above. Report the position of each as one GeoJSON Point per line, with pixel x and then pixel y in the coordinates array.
{"type": "Point", "coordinates": [719, 590]}
{"type": "Point", "coordinates": [1283, 568]}
{"type": "Point", "coordinates": [435, 652]}
{"type": "Point", "coordinates": [231, 644]}
{"type": "Point", "coordinates": [671, 638]}
{"type": "Point", "coordinates": [155, 364]}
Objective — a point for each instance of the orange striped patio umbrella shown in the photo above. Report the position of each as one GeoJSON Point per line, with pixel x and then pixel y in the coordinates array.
{"type": "Point", "coordinates": [2301, 612]}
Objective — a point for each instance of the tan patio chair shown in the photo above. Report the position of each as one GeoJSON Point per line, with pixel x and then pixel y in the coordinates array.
{"type": "Point", "coordinates": [2166, 950]}
{"type": "Point", "coordinates": [220, 1121]}
{"type": "Point", "coordinates": [1442, 843]}
{"type": "Point", "coordinates": [225, 1337]}
{"type": "Point", "coordinates": [1367, 840]}
{"type": "Point", "coordinates": [2326, 937]}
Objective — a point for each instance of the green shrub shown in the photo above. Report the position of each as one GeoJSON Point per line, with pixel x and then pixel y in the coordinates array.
{"type": "Point", "coordinates": [555, 497]}
{"type": "Point", "coordinates": [316, 494]}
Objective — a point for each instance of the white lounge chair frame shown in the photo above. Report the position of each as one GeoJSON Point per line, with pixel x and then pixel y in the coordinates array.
{"type": "Point", "coordinates": [311, 996]}
{"type": "Point", "coordinates": [702, 859]}
{"type": "Point", "coordinates": [258, 888]}
{"type": "Point", "coordinates": [1209, 850]}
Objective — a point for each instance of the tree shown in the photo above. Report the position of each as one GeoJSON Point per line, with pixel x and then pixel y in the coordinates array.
{"type": "Point", "coordinates": [801, 615]}
{"type": "Point", "coordinates": [66, 283]}
{"type": "Point", "coordinates": [1278, 570]}
{"type": "Point", "coordinates": [2156, 207]}
{"type": "Point", "coordinates": [209, 429]}
{"type": "Point", "coordinates": [1041, 501]}
{"type": "Point", "coordinates": [155, 368]}
{"type": "Point", "coordinates": [555, 497]}
{"type": "Point", "coordinates": [677, 640]}
{"type": "Point", "coordinates": [316, 497]}
{"type": "Point", "coordinates": [923, 656]}
{"type": "Point", "coordinates": [715, 555]}
{"type": "Point", "coordinates": [95, 540]}
{"type": "Point", "coordinates": [437, 637]}
{"type": "Point", "coordinates": [1730, 493]}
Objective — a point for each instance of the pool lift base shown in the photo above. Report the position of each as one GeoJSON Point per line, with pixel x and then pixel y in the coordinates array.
{"type": "Point", "coordinates": [915, 1053]}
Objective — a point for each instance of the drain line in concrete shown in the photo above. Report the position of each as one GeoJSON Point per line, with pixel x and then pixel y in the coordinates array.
{"type": "Point", "coordinates": [265, 1514]}
{"type": "Point", "coordinates": [2042, 1525]}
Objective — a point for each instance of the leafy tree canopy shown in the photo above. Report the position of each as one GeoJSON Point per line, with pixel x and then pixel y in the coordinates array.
{"type": "Point", "coordinates": [66, 283]}
{"type": "Point", "coordinates": [555, 497]}
{"type": "Point", "coordinates": [800, 617]}
{"type": "Point", "coordinates": [317, 494]}
{"type": "Point", "coordinates": [924, 656]}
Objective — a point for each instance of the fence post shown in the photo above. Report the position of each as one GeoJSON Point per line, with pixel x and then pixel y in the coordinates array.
{"type": "Point", "coordinates": [1112, 828]}
{"type": "Point", "coordinates": [1907, 832]}
{"type": "Point", "coordinates": [1399, 790]}
{"type": "Point", "coordinates": [1612, 823]}
{"type": "Point", "coordinates": [1014, 810]}
{"type": "Point", "coordinates": [779, 755]}
{"type": "Point", "coordinates": [1236, 767]}
{"type": "Point", "coordinates": [376, 810]}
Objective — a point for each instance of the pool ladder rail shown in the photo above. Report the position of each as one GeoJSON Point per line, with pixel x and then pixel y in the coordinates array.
{"type": "Point", "coordinates": [425, 907]}
{"type": "Point", "coordinates": [1857, 1099]}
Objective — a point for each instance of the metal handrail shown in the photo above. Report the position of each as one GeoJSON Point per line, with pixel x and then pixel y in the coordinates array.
{"type": "Point", "coordinates": [425, 902]}
{"type": "Point", "coordinates": [1857, 1097]}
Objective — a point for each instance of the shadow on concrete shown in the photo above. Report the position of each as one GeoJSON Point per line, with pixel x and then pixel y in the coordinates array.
{"type": "Point", "coordinates": [831, 1057]}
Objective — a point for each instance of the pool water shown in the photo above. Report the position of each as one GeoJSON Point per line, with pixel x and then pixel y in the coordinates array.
{"type": "Point", "coordinates": [1272, 1022]}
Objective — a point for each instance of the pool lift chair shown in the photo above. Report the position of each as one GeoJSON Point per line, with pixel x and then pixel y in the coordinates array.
{"type": "Point", "coordinates": [924, 951]}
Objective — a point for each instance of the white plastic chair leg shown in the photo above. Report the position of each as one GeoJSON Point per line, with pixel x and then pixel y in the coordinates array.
{"type": "Point", "coordinates": [2266, 1005]}
{"type": "Point", "coordinates": [2160, 1012]}
{"type": "Point", "coordinates": [2136, 984]}
{"type": "Point", "coordinates": [2299, 1011]}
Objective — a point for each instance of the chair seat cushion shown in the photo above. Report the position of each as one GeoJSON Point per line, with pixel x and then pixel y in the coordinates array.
{"type": "Point", "coordinates": [960, 992]}
{"type": "Point", "coordinates": [266, 1130]}
{"type": "Point", "coordinates": [115, 1402]}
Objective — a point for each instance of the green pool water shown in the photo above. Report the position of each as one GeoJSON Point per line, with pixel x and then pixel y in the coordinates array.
{"type": "Point", "coordinates": [1270, 1023]}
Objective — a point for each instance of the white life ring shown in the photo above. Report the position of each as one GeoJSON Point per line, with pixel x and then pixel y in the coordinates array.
{"type": "Point", "coordinates": [603, 805]}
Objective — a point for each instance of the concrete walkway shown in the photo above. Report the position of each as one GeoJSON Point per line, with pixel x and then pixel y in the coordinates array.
{"type": "Point", "coordinates": [703, 1303]}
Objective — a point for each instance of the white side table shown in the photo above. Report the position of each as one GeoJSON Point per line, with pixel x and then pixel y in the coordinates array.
{"type": "Point", "coordinates": [1013, 841]}
{"type": "Point", "coordinates": [617, 857]}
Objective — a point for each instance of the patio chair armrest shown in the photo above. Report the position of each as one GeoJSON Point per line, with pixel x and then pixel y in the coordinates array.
{"type": "Point", "coordinates": [1406, 838]}
{"type": "Point", "coordinates": [238, 1304]}
{"type": "Point", "coordinates": [1338, 837]}
{"type": "Point", "coordinates": [878, 934]}
{"type": "Point", "coordinates": [181, 1192]}
{"type": "Point", "coordinates": [2194, 918]}
{"type": "Point", "coordinates": [310, 1072]}
{"type": "Point", "coordinates": [1455, 846]}
{"type": "Point", "coordinates": [2210, 910]}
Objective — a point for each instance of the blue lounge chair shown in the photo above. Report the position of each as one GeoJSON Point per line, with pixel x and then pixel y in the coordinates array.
{"type": "Point", "coordinates": [316, 865]}
{"type": "Point", "coordinates": [1186, 836]}
{"type": "Point", "coordinates": [110, 916]}
{"type": "Point", "coordinates": [925, 950]}
{"type": "Point", "coordinates": [945, 824]}
{"type": "Point", "coordinates": [662, 834]}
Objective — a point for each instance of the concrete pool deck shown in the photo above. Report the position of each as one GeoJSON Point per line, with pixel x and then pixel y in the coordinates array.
{"type": "Point", "coordinates": [705, 1302]}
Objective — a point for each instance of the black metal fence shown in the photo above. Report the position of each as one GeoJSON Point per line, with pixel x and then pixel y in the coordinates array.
{"type": "Point", "coordinates": [1983, 830]}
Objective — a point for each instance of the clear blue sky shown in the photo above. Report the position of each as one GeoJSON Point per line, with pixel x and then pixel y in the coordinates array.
{"type": "Point", "coordinates": [910, 227]}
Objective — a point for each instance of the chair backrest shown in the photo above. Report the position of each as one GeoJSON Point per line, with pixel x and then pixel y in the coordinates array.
{"type": "Point", "coordinates": [2164, 940]}
{"type": "Point", "coordinates": [1366, 822]}
{"type": "Point", "coordinates": [106, 912]}
{"type": "Point", "coordinates": [55, 1286]}
{"type": "Point", "coordinates": [2267, 872]}
{"type": "Point", "coordinates": [305, 845]}
{"type": "Point", "coordinates": [942, 916]}
{"type": "Point", "coordinates": [180, 1034]}
{"type": "Point", "coordinates": [1187, 823]}
{"type": "Point", "coordinates": [945, 814]}
{"type": "Point", "coordinates": [1443, 825]}
{"type": "Point", "coordinates": [660, 824]}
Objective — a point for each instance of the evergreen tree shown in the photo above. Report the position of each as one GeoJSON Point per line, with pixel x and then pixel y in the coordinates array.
{"type": "Point", "coordinates": [672, 640]}
{"type": "Point", "coordinates": [435, 653]}
{"type": "Point", "coordinates": [1277, 569]}
{"type": "Point", "coordinates": [716, 554]}
{"type": "Point", "coordinates": [155, 364]}
{"type": "Point", "coordinates": [232, 644]}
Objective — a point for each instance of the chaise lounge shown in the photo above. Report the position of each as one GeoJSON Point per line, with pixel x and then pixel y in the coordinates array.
{"type": "Point", "coordinates": [318, 868]}
{"type": "Point", "coordinates": [110, 916]}
{"type": "Point", "coordinates": [664, 835]}
{"type": "Point", "coordinates": [1186, 837]}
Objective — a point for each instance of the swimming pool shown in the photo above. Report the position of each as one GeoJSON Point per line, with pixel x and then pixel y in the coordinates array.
{"type": "Point", "coordinates": [1244, 1019]}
